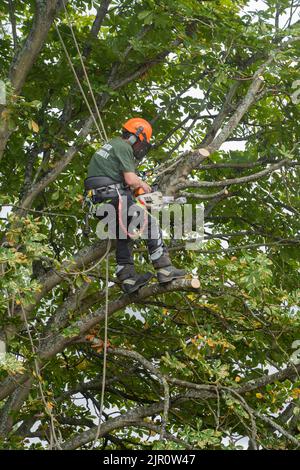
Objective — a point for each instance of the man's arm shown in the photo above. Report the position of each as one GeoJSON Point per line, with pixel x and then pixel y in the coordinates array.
{"type": "Point", "coordinates": [135, 182]}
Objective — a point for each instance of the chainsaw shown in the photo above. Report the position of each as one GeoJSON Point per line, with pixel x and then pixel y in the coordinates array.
{"type": "Point", "coordinates": [156, 200]}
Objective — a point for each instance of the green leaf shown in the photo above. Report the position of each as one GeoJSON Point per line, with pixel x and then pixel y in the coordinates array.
{"type": "Point", "coordinates": [71, 332]}
{"type": "Point", "coordinates": [144, 14]}
{"type": "Point", "coordinates": [55, 196]}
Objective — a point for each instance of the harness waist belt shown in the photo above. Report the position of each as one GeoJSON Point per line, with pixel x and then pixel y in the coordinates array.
{"type": "Point", "coordinates": [109, 190]}
{"type": "Point", "coordinates": [101, 182]}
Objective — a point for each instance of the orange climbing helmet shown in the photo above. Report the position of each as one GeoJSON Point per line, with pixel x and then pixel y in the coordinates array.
{"type": "Point", "coordinates": [141, 128]}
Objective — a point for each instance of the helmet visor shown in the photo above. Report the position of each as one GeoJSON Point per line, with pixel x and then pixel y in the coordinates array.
{"type": "Point", "coordinates": [140, 149]}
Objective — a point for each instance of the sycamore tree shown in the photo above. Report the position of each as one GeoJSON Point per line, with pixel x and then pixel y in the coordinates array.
{"type": "Point", "coordinates": [185, 368]}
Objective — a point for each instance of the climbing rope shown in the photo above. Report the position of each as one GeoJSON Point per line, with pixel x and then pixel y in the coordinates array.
{"type": "Point", "coordinates": [145, 222]}
{"type": "Point", "coordinates": [47, 406]}
{"type": "Point", "coordinates": [104, 347]}
{"type": "Point", "coordinates": [103, 137]}
{"type": "Point", "coordinates": [85, 73]}
{"type": "Point", "coordinates": [78, 81]}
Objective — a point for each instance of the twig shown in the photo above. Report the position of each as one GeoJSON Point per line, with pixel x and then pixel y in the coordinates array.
{"type": "Point", "coordinates": [148, 365]}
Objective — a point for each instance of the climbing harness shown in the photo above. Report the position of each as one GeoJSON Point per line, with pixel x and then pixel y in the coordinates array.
{"type": "Point", "coordinates": [94, 197]}
{"type": "Point", "coordinates": [100, 189]}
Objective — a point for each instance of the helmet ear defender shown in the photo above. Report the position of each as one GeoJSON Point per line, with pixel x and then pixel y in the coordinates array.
{"type": "Point", "coordinates": [133, 138]}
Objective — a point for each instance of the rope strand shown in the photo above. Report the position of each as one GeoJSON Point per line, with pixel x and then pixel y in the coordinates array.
{"type": "Point", "coordinates": [78, 81]}
{"type": "Point", "coordinates": [85, 72]}
{"type": "Point", "coordinates": [105, 346]}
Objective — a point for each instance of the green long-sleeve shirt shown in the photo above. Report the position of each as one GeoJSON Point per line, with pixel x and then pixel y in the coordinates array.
{"type": "Point", "coordinates": [112, 160]}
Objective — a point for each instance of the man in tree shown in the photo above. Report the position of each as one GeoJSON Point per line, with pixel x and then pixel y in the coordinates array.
{"type": "Point", "coordinates": [111, 173]}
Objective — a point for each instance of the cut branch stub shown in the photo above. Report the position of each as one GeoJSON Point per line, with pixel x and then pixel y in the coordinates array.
{"type": "Point", "coordinates": [195, 283]}
{"type": "Point", "coordinates": [204, 152]}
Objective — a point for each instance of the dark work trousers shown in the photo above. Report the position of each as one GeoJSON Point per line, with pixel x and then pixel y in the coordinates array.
{"type": "Point", "coordinates": [151, 230]}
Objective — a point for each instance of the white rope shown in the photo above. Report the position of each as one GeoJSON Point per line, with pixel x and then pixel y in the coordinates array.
{"type": "Point", "coordinates": [53, 436]}
{"type": "Point", "coordinates": [105, 346]}
{"type": "Point", "coordinates": [109, 241]}
{"type": "Point", "coordinates": [78, 81]}
{"type": "Point", "coordinates": [75, 273]}
{"type": "Point", "coordinates": [85, 72]}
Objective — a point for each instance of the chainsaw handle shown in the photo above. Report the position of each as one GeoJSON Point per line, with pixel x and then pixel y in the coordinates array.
{"type": "Point", "coordinates": [139, 191]}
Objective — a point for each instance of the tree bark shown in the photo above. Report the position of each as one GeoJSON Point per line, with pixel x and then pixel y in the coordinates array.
{"type": "Point", "coordinates": [28, 53]}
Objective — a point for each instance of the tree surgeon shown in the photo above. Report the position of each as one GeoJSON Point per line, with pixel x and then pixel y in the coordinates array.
{"type": "Point", "coordinates": [112, 174]}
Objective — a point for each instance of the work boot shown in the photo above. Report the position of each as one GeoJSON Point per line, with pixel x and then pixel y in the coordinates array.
{"type": "Point", "coordinates": [166, 272]}
{"type": "Point", "coordinates": [131, 280]}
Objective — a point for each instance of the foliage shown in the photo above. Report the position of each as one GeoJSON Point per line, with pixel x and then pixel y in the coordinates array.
{"type": "Point", "coordinates": [175, 62]}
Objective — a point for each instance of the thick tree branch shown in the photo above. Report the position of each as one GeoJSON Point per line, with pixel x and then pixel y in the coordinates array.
{"type": "Point", "coordinates": [81, 261]}
{"type": "Point", "coordinates": [192, 160]}
{"type": "Point", "coordinates": [128, 419]}
{"type": "Point", "coordinates": [13, 405]}
{"type": "Point", "coordinates": [13, 22]}
{"type": "Point", "coordinates": [227, 107]}
{"type": "Point", "coordinates": [59, 342]}
{"type": "Point", "coordinates": [290, 372]}
{"type": "Point", "coordinates": [100, 16]}
{"type": "Point", "coordinates": [27, 54]}
{"type": "Point", "coordinates": [229, 182]}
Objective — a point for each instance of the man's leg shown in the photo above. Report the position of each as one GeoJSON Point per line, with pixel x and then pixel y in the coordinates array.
{"type": "Point", "coordinates": [159, 255]}
{"type": "Point", "coordinates": [131, 280]}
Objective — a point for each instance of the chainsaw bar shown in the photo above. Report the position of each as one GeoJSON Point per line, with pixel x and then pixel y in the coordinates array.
{"type": "Point", "coordinates": [157, 201]}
